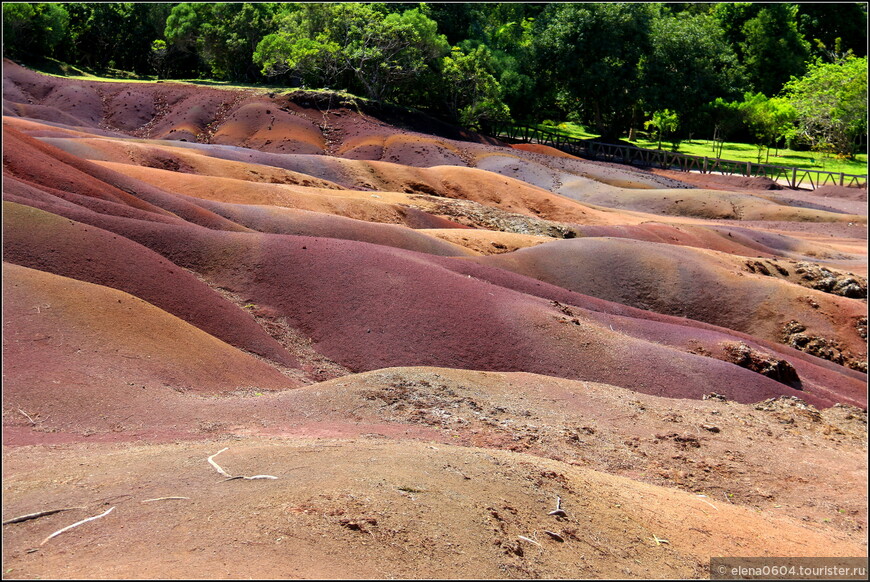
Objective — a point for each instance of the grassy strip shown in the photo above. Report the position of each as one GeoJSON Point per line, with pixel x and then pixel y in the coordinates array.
{"type": "Point", "coordinates": [740, 152]}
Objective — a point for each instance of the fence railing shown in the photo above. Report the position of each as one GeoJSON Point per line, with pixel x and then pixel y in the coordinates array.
{"type": "Point", "coordinates": [627, 154]}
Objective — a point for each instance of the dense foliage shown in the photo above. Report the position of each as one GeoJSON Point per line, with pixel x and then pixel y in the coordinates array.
{"type": "Point", "coordinates": [763, 72]}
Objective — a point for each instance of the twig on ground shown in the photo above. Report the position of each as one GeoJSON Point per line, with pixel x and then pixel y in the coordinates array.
{"type": "Point", "coordinates": [76, 524]}
{"type": "Point", "coordinates": [30, 516]}
{"type": "Point", "coordinates": [707, 502]}
{"type": "Point", "coordinates": [659, 541]}
{"type": "Point", "coordinates": [32, 422]}
{"type": "Point", "coordinates": [163, 499]}
{"type": "Point", "coordinates": [230, 477]}
{"type": "Point", "coordinates": [216, 466]}
{"type": "Point", "coordinates": [249, 478]}
{"type": "Point", "coordinates": [530, 540]}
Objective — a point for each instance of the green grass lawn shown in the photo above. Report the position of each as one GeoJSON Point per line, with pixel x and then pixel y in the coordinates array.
{"type": "Point", "coordinates": [740, 152]}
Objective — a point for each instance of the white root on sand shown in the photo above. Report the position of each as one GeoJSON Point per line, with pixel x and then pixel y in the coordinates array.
{"type": "Point", "coordinates": [230, 477]}
{"type": "Point", "coordinates": [76, 524]}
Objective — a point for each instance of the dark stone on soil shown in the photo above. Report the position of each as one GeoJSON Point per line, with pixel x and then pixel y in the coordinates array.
{"type": "Point", "coordinates": [762, 363]}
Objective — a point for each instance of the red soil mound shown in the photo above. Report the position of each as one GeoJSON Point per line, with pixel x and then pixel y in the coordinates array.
{"type": "Point", "coordinates": [33, 161]}
{"type": "Point", "coordinates": [689, 235]}
{"type": "Point", "coordinates": [104, 341]}
{"type": "Point", "coordinates": [276, 220]}
{"type": "Point", "coordinates": [368, 307]}
{"type": "Point", "coordinates": [190, 161]}
{"type": "Point", "coordinates": [47, 242]}
{"type": "Point", "coordinates": [345, 291]}
{"type": "Point", "coordinates": [232, 191]}
{"type": "Point", "coordinates": [712, 287]}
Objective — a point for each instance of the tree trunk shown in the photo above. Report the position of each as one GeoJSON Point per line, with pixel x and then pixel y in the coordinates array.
{"type": "Point", "coordinates": [599, 125]}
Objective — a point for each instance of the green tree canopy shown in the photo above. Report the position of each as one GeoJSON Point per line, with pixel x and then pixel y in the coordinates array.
{"type": "Point", "coordinates": [225, 35]}
{"type": "Point", "coordinates": [664, 122]}
{"type": "Point", "coordinates": [590, 53]}
{"type": "Point", "coordinates": [773, 48]}
{"type": "Point", "coordinates": [690, 64]}
{"type": "Point", "coordinates": [33, 29]}
{"type": "Point", "coordinates": [379, 54]}
{"type": "Point", "coordinates": [768, 120]}
{"type": "Point", "coordinates": [825, 22]}
{"type": "Point", "coordinates": [471, 92]}
{"type": "Point", "coordinates": [831, 103]}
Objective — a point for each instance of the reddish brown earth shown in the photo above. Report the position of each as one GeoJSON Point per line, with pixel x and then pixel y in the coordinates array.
{"type": "Point", "coordinates": [382, 312]}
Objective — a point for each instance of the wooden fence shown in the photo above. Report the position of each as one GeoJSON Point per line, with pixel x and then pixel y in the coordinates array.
{"type": "Point", "coordinates": [627, 154]}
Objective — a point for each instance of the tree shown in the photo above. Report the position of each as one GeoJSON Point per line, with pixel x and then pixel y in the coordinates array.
{"type": "Point", "coordinates": [33, 30]}
{"type": "Point", "coordinates": [590, 52]}
{"type": "Point", "coordinates": [724, 116]}
{"type": "Point", "coordinates": [825, 22]}
{"type": "Point", "coordinates": [689, 65]}
{"type": "Point", "coordinates": [767, 41]}
{"type": "Point", "coordinates": [379, 54]}
{"type": "Point", "coordinates": [665, 122]}
{"type": "Point", "coordinates": [158, 57]}
{"type": "Point", "coordinates": [472, 93]}
{"type": "Point", "coordinates": [831, 104]}
{"type": "Point", "coordinates": [225, 35]}
{"type": "Point", "coordinates": [769, 120]}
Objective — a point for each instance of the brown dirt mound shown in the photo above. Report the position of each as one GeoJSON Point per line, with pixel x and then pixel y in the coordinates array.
{"type": "Point", "coordinates": [488, 242]}
{"type": "Point", "coordinates": [542, 149]}
{"type": "Point", "coordinates": [707, 204]}
{"type": "Point", "coordinates": [322, 518]}
{"type": "Point", "coordinates": [720, 181]}
{"type": "Point", "coordinates": [266, 127]}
